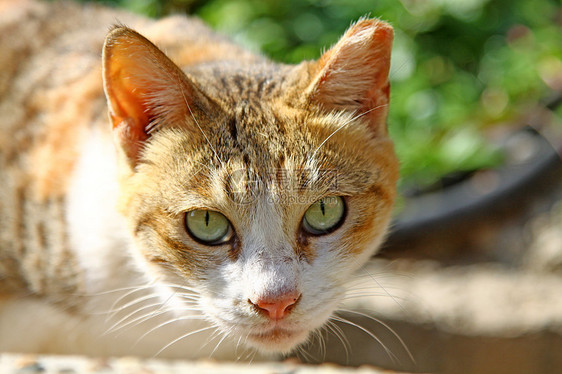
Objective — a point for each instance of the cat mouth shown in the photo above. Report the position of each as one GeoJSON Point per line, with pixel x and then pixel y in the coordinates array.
{"type": "Point", "coordinates": [277, 339]}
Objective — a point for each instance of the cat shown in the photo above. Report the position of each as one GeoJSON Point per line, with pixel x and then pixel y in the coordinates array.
{"type": "Point", "coordinates": [218, 210]}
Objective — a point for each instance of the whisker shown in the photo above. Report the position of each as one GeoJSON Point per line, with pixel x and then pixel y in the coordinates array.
{"type": "Point", "coordinates": [251, 359]}
{"type": "Point", "coordinates": [200, 129]}
{"type": "Point", "coordinates": [183, 337]}
{"type": "Point", "coordinates": [236, 348]}
{"type": "Point", "coordinates": [364, 281]}
{"type": "Point", "coordinates": [119, 325]}
{"type": "Point", "coordinates": [189, 297]}
{"type": "Point", "coordinates": [322, 344]}
{"type": "Point", "coordinates": [155, 313]}
{"type": "Point", "coordinates": [338, 332]}
{"type": "Point", "coordinates": [101, 293]}
{"type": "Point", "coordinates": [175, 293]}
{"type": "Point", "coordinates": [112, 312]}
{"type": "Point", "coordinates": [224, 336]}
{"type": "Point", "coordinates": [203, 165]}
{"type": "Point", "coordinates": [306, 357]}
{"type": "Point", "coordinates": [214, 335]}
{"type": "Point", "coordinates": [185, 291]}
{"type": "Point", "coordinates": [249, 355]}
{"type": "Point", "coordinates": [351, 296]}
{"type": "Point", "coordinates": [391, 355]}
{"type": "Point", "coordinates": [176, 319]}
{"type": "Point", "coordinates": [388, 294]}
{"type": "Point", "coordinates": [343, 125]}
{"type": "Point", "coordinates": [368, 274]}
{"type": "Point", "coordinates": [246, 353]}
{"type": "Point", "coordinates": [366, 285]}
{"type": "Point", "coordinates": [387, 327]}
{"type": "Point", "coordinates": [127, 294]}
{"type": "Point", "coordinates": [370, 289]}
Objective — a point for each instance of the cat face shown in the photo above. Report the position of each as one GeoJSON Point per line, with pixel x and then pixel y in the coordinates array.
{"type": "Point", "coordinates": [260, 188]}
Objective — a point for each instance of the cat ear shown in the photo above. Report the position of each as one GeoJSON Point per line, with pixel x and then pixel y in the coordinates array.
{"type": "Point", "coordinates": [144, 88]}
{"type": "Point", "coordinates": [353, 74]}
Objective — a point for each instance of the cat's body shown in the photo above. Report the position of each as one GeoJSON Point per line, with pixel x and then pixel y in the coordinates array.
{"type": "Point", "coordinates": [93, 212]}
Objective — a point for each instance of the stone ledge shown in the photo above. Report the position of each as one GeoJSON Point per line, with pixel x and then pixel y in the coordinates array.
{"type": "Point", "coordinates": [40, 364]}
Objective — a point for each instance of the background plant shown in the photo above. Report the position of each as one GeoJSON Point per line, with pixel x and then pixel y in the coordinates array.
{"type": "Point", "coordinates": [462, 70]}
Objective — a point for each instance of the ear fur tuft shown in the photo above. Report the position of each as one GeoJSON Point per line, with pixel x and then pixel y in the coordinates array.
{"type": "Point", "coordinates": [353, 74]}
{"type": "Point", "coordinates": [144, 88]}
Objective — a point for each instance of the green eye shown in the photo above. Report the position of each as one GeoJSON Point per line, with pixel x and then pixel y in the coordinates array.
{"type": "Point", "coordinates": [324, 215]}
{"type": "Point", "coordinates": [207, 226]}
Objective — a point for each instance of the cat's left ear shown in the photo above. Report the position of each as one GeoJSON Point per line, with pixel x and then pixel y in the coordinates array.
{"type": "Point", "coordinates": [144, 89]}
{"type": "Point", "coordinates": [353, 74]}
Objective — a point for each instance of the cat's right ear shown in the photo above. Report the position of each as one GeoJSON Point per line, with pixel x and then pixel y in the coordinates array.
{"type": "Point", "coordinates": [144, 89]}
{"type": "Point", "coordinates": [353, 74]}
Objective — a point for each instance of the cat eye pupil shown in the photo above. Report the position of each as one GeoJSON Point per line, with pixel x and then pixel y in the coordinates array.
{"type": "Point", "coordinates": [208, 227]}
{"type": "Point", "coordinates": [324, 216]}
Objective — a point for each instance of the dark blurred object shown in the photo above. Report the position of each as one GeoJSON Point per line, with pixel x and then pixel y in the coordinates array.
{"type": "Point", "coordinates": [466, 217]}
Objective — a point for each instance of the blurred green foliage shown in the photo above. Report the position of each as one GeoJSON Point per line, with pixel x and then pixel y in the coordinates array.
{"type": "Point", "coordinates": [459, 67]}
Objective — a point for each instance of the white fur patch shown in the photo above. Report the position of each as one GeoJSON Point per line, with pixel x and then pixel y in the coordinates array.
{"type": "Point", "coordinates": [97, 231]}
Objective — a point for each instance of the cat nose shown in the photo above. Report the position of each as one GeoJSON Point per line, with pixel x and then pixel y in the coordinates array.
{"type": "Point", "coordinates": [278, 307]}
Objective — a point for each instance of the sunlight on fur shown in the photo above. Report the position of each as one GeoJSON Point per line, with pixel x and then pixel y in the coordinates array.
{"type": "Point", "coordinates": [222, 209]}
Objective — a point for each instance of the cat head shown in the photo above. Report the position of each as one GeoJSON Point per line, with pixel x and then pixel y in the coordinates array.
{"type": "Point", "coordinates": [259, 186]}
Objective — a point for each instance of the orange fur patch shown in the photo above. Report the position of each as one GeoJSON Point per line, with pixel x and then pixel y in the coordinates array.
{"type": "Point", "coordinates": [70, 110]}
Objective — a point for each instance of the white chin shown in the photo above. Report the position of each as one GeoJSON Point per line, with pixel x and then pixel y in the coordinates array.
{"type": "Point", "coordinates": [277, 340]}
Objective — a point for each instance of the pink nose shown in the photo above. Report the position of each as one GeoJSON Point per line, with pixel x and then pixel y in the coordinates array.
{"type": "Point", "coordinates": [277, 308]}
